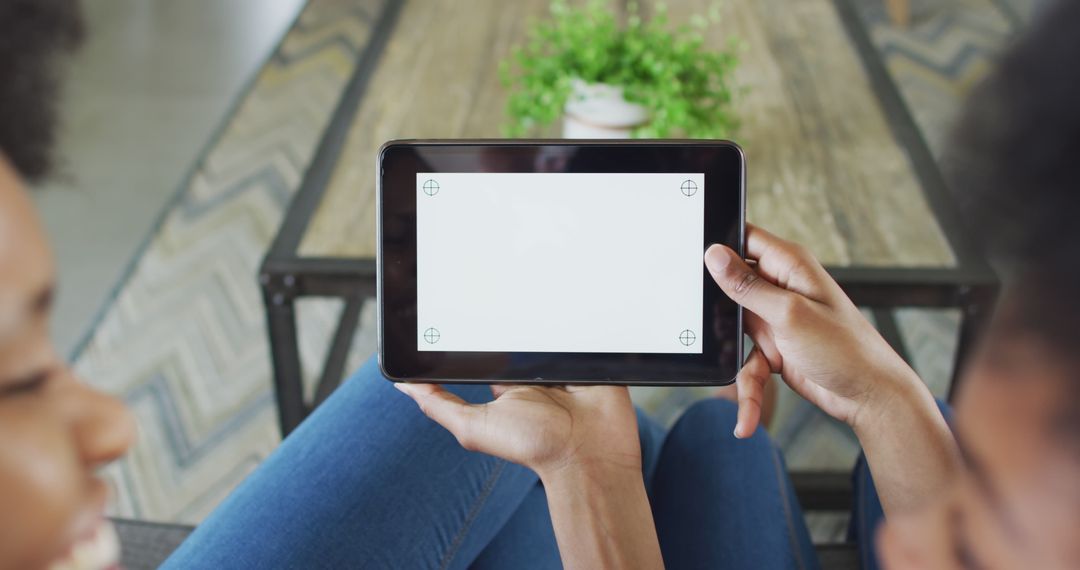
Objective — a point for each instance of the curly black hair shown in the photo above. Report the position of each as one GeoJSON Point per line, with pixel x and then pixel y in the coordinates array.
{"type": "Point", "coordinates": [33, 33]}
{"type": "Point", "coordinates": [1014, 161]}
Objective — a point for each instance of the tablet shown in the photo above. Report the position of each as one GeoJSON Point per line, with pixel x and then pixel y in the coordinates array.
{"type": "Point", "coordinates": [557, 261]}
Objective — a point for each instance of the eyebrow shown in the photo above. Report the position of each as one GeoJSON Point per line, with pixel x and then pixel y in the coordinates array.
{"type": "Point", "coordinates": [13, 316]}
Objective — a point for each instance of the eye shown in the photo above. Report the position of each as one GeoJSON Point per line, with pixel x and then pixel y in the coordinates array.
{"type": "Point", "coordinates": [26, 385]}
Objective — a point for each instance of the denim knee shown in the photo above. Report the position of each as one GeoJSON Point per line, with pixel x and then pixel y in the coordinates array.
{"type": "Point", "coordinates": [711, 422]}
{"type": "Point", "coordinates": [715, 413]}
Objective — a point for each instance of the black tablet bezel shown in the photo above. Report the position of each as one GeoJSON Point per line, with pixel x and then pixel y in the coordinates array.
{"type": "Point", "coordinates": [398, 162]}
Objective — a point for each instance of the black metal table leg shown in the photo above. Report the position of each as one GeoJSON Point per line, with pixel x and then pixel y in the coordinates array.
{"type": "Point", "coordinates": [285, 353]}
{"type": "Point", "coordinates": [334, 367]}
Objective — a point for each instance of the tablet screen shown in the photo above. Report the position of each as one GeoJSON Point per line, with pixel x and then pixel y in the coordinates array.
{"type": "Point", "coordinates": [554, 262]}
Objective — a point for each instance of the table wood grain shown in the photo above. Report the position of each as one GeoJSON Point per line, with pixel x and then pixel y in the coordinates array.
{"type": "Point", "coordinates": [823, 166]}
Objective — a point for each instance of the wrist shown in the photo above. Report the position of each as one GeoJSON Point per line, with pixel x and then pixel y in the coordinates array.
{"type": "Point", "coordinates": [909, 447]}
{"type": "Point", "coordinates": [601, 516]}
{"type": "Point", "coordinates": [901, 392]}
{"type": "Point", "coordinates": [581, 472]}
{"type": "Point", "coordinates": [592, 460]}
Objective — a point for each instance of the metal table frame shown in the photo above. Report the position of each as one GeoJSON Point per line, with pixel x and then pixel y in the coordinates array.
{"type": "Point", "coordinates": [285, 276]}
{"type": "Point", "coordinates": [970, 286]}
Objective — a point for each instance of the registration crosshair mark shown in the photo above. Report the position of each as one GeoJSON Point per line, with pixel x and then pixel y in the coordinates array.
{"type": "Point", "coordinates": [431, 187]}
{"type": "Point", "coordinates": [689, 188]}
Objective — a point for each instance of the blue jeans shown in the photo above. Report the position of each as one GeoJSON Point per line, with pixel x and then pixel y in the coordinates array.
{"type": "Point", "coordinates": [368, 481]}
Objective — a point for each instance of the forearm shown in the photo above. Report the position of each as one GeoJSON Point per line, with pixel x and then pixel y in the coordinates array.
{"type": "Point", "coordinates": [911, 452]}
{"type": "Point", "coordinates": [602, 519]}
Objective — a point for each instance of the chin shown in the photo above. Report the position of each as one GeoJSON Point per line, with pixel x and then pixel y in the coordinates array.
{"type": "Point", "coordinates": [98, 549]}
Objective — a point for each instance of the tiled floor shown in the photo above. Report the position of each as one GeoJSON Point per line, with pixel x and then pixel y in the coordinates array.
{"type": "Point", "coordinates": [145, 93]}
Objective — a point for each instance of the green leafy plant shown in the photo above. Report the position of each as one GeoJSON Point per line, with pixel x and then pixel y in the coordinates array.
{"type": "Point", "coordinates": [686, 87]}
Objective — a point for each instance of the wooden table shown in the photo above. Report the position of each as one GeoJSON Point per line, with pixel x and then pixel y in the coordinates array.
{"type": "Point", "coordinates": [834, 160]}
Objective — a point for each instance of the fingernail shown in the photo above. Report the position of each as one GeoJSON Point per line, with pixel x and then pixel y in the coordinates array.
{"type": "Point", "coordinates": [736, 433]}
{"type": "Point", "coordinates": [717, 258]}
{"type": "Point", "coordinates": [403, 388]}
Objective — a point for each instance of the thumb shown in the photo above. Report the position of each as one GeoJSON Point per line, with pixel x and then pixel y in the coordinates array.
{"type": "Point", "coordinates": [451, 412]}
{"type": "Point", "coordinates": [744, 286]}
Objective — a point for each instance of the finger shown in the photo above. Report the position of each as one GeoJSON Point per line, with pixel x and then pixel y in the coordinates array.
{"type": "Point", "coordinates": [445, 408]}
{"type": "Point", "coordinates": [745, 286]}
{"type": "Point", "coordinates": [751, 388]}
{"type": "Point", "coordinates": [761, 242]}
{"type": "Point", "coordinates": [500, 389]}
{"type": "Point", "coordinates": [762, 335]}
{"type": "Point", "coordinates": [790, 265]}
{"type": "Point", "coordinates": [755, 327]}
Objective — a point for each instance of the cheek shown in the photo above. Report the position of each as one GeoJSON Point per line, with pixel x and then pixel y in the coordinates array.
{"type": "Point", "coordinates": [42, 488]}
{"type": "Point", "coordinates": [985, 399]}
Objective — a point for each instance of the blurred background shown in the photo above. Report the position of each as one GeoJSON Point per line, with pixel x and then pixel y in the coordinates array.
{"type": "Point", "coordinates": [150, 86]}
{"type": "Point", "coordinates": [213, 210]}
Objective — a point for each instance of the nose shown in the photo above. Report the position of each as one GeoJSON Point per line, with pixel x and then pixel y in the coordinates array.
{"type": "Point", "coordinates": [104, 428]}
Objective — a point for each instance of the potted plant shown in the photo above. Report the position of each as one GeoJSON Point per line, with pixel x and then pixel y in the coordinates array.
{"type": "Point", "coordinates": [610, 80]}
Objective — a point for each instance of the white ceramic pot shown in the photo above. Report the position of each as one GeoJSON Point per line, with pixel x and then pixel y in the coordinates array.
{"type": "Point", "coordinates": [599, 111]}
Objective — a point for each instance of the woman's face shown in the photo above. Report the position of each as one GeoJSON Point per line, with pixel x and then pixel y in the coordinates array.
{"type": "Point", "coordinates": [1018, 503]}
{"type": "Point", "coordinates": [55, 431]}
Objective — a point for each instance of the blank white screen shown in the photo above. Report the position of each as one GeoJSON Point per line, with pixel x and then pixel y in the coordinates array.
{"type": "Point", "coordinates": [560, 262]}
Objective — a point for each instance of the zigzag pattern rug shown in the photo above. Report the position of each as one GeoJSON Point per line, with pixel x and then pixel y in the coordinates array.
{"type": "Point", "coordinates": [184, 340]}
{"type": "Point", "coordinates": [947, 49]}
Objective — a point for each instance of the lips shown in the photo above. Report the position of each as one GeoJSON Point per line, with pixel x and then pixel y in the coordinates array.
{"type": "Point", "coordinates": [99, 550]}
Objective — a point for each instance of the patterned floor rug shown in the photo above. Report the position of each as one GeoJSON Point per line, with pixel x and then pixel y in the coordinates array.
{"type": "Point", "coordinates": [184, 342]}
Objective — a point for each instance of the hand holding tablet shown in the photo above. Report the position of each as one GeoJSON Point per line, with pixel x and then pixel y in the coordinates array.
{"type": "Point", "coordinates": [557, 262]}
{"type": "Point", "coordinates": [578, 241]}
